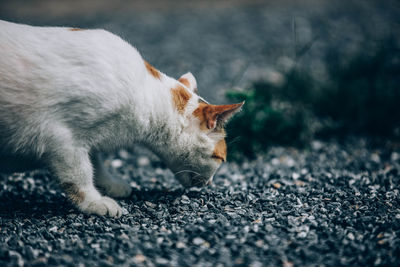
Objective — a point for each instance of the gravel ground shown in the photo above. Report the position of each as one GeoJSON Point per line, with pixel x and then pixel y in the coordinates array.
{"type": "Point", "coordinates": [332, 204]}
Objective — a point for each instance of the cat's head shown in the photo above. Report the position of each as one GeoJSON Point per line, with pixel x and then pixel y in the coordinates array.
{"type": "Point", "coordinates": [201, 140]}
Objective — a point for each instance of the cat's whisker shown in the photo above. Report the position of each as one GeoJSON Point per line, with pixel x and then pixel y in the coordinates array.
{"type": "Point", "coordinates": [189, 171]}
{"type": "Point", "coordinates": [236, 139]}
{"type": "Point", "coordinates": [194, 177]}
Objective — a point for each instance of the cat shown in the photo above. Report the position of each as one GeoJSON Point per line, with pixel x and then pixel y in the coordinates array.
{"type": "Point", "coordinates": [69, 94]}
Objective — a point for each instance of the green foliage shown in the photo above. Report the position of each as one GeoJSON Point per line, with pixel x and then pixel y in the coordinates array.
{"type": "Point", "coordinates": [261, 123]}
{"type": "Point", "coordinates": [361, 96]}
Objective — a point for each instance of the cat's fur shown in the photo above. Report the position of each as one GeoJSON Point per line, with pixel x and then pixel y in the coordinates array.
{"type": "Point", "coordinates": [68, 94]}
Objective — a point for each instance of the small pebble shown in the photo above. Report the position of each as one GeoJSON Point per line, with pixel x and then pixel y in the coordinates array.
{"type": "Point", "coordinates": [198, 241]}
{"type": "Point", "coordinates": [143, 161]}
{"type": "Point", "coordinates": [117, 163]}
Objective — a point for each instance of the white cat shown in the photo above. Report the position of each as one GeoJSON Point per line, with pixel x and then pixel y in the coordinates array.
{"type": "Point", "coordinates": [67, 94]}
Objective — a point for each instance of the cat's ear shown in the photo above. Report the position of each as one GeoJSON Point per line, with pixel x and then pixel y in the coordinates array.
{"type": "Point", "coordinates": [215, 116]}
{"type": "Point", "coordinates": [189, 81]}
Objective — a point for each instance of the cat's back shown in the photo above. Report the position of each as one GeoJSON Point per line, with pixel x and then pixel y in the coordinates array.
{"type": "Point", "coordinates": [62, 54]}
{"type": "Point", "coordinates": [60, 40]}
{"type": "Point", "coordinates": [46, 67]}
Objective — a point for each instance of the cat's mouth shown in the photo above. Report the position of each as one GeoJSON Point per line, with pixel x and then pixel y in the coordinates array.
{"type": "Point", "coordinates": [200, 183]}
{"type": "Point", "coordinates": [194, 181]}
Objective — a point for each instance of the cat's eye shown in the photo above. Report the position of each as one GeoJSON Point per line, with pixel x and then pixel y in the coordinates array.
{"type": "Point", "coordinates": [216, 157]}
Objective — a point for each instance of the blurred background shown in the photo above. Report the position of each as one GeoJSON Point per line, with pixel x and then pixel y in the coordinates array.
{"type": "Point", "coordinates": [307, 69]}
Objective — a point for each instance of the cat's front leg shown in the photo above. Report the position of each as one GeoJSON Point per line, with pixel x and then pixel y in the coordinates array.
{"type": "Point", "coordinates": [73, 168]}
{"type": "Point", "coordinates": [112, 186]}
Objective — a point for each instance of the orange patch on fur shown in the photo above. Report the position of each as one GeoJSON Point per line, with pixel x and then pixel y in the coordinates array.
{"type": "Point", "coordinates": [73, 193]}
{"type": "Point", "coordinates": [202, 113]}
{"type": "Point", "coordinates": [180, 97]}
{"type": "Point", "coordinates": [153, 71]}
{"type": "Point", "coordinates": [220, 151]}
{"type": "Point", "coordinates": [76, 29]}
{"type": "Point", "coordinates": [213, 116]}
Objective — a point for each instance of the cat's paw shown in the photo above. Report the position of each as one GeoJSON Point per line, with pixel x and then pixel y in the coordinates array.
{"type": "Point", "coordinates": [116, 187]}
{"type": "Point", "coordinates": [104, 206]}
